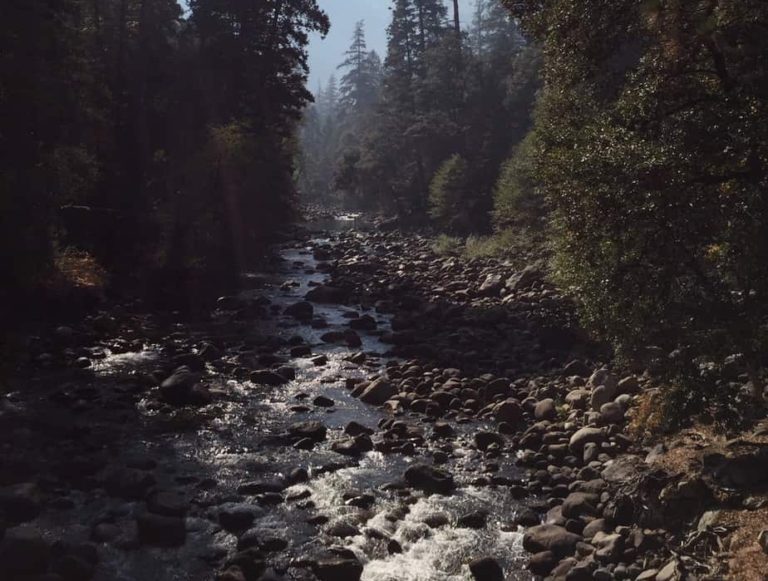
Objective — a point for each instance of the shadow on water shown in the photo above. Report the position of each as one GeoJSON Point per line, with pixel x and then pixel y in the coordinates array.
{"type": "Point", "coordinates": [98, 446]}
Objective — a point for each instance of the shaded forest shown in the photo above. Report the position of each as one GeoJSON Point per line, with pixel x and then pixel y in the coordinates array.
{"type": "Point", "coordinates": [146, 145]}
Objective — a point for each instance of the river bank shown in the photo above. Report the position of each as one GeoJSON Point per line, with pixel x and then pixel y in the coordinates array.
{"type": "Point", "coordinates": [368, 410]}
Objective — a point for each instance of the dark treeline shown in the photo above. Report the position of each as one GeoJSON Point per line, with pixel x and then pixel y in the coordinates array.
{"type": "Point", "coordinates": [426, 132]}
{"type": "Point", "coordinates": [158, 141]}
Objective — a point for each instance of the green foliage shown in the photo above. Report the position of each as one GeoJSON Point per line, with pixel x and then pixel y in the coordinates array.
{"type": "Point", "coordinates": [448, 195]}
{"type": "Point", "coordinates": [653, 139]}
{"type": "Point", "coordinates": [517, 199]}
{"type": "Point", "coordinates": [151, 138]}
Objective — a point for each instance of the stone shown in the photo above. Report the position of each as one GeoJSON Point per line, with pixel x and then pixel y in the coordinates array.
{"type": "Point", "coordinates": [327, 295]}
{"type": "Point", "coordinates": [527, 517]}
{"type": "Point", "coordinates": [601, 395]}
{"type": "Point", "coordinates": [303, 311]}
{"type": "Point", "coordinates": [266, 377]}
{"type": "Point", "coordinates": [545, 410]}
{"type": "Point", "coordinates": [609, 547]}
{"type": "Point", "coordinates": [611, 413]}
{"type": "Point", "coordinates": [491, 286]}
{"type": "Point", "coordinates": [312, 430]}
{"type": "Point", "coordinates": [338, 569]}
{"type": "Point", "coordinates": [585, 436]}
{"type": "Point", "coordinates": [353, 446]}
{"type": "Point", "coordinates": [473, 520]}
{"type": "Point", "coordinates": [167, 503]}
{"type": "Point", "coordinates": [323, 401]}
{"type": "Point", "coordinates": [23, 551]}
{"type": "Point", "coordinates": [356, 429]}
{"type": "Point", "coordinates": [578, 368]}
{"type": "Point", "coordinates": [594, 527]}
{"type": "Point", "coordinates": [378, 392]}
{"type": "Point", "coordinates": [429, 479]}
{"type": "Point", "coordinates": [343, 530]}
{"type": "Point", "coordinates": [509, 411]}
{"type": "Point", "coordinates": [579, 504]}
{"type": "Point", "coordinates": [670, 572]}
{"type": "Point", "coordinates": [629, 386]}
{"type": "Point", "coordinates": [524, 279]}
{"type": "Point", "coordinates": [237, 517]}
{"type": "Point", "coordinates": [486, 569]}
{"type": "Point", "coordinates": [20, 502]}
{"type": "Point", "coordinates": [483, 440]}
{"type": "Point", "coordinates": [542, 563]}
{"type": "Point", "coordinates": [549, 537]}
{"type": "Point", "coordinates": [182, 388]}
{"type": "Point", "coordinates": [161, 531]}
{"type": "Point", "coordinates": [436, 520]}
{"type": "Point", "coordinates": [762, 540]}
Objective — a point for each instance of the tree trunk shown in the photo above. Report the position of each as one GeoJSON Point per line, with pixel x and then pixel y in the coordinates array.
{"type": "Point", "coordinates": [456, 18]}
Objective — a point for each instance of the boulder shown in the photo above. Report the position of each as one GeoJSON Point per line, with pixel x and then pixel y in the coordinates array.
{"type": "Point", "coordinates": [486, 569]}
{"type": "Point", "coordinates": [378, 392]}
{"type": "Point", "coordinates": [578, 504]}
{"type": "Point", "coordinates": [545, 410]}
{"type": "Point", "coordinates": [327, 294]}
{"type": "Point", "coordinates": [303, 311]}
{"type": "Point", "coordinates": [585, 436]}
{"type": "Point", "coordinates": [161, 531]}
{"type": "Point", "coordinates": [266, 377]}
{"type": "Point", "coordinates": [483, 440]}
{"type": "Point", "coordinates": [311, 430]}
{"type": "Point", "coordinates": [524, 279]}
{"type": "Point", "coordinates": [548, 537]}
{"type": "Point", "coordinates": [338, 569]}
{"type": "Point", "coordinates": [429, 479]}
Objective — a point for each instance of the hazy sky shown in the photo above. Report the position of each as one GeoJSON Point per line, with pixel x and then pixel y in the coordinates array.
{"type": "Point", "coordinates": [326, 54]}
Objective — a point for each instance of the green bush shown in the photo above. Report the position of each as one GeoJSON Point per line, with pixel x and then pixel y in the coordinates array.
{"type": "Point", "coordinates": [517, 199]}
{"type": "Point", "coordinates": [448, 196]}
{"type": "Point", "coordinates": [652, 136]}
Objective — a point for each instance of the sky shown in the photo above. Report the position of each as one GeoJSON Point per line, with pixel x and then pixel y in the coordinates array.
{"type": "Point", "coordinates": [326, 54]}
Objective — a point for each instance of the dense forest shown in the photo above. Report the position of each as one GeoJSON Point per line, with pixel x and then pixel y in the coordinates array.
{"type": "Point", "coordinates": [144, 143]}
{"type": "Point", "coordinates": [426, 132]}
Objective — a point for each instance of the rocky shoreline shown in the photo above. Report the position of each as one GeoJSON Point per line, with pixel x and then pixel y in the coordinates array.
{"type": "Point", "coordinates": [470, 343]}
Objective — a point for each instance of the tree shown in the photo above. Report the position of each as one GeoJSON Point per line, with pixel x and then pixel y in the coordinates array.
{"type": "Point", "coordinates": [448, 196]}
{"type": "Point", "coordinates": [653, 140]}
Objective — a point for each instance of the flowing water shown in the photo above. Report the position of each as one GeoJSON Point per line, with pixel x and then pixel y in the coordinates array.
{"type": "Point", "coordinates": [238, 440]}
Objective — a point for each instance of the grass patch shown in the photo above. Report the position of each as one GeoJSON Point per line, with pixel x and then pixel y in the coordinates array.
{"type": "Point", "coordinates": [519, 246]}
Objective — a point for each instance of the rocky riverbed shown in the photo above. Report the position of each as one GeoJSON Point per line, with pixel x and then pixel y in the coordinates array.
{"type": "Point", "coordinates": [366, 410]}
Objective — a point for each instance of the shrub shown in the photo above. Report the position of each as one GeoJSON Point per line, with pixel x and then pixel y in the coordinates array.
{"type": "Point", "coordinates": [448, 196]}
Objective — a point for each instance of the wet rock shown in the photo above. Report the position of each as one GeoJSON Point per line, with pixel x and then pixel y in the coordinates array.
{"type": "Point", "coordinates": [327, 295]}
{"type": "Point", "coordinates": [474, 520]}
{"type": "Point", "coordinates": [266, 377]}
{"type": "Point", "coordinates": [182, 388]}
{"type": "Point", "coordinates": [436, 520]}
{"type": "Point", "coordinates": [249, 562]}
{"type": "Point", "coordinates": [160, 531]}
{"type": "Point", "coordinates": [364, 323]}
{"type": "Point", "coordinates": [320, 360]}
{"type": "Point", "coordinates": [443, 430]}
{"type": "Point", "coordinates": [378, 392]}
{"type": "Point", "coordinates": [429, 479]}
{"type": "Point", "coordinates": [356, 429]}
{"type": "Point", "coordinates": [74, 561]}
{"type": "Point", "coordinates": [486, 569]}
{"type": "Point", "coordinates": [394, 548]}
{"type": "Point", "coordinates": [104, 532]}
{"type": "Point", "coordinates": [301, 351]}
{"type": "Point", "coordinates": [337, 568]}
{"type": "Point", "coordinates": [314, 431]}
{"type": "Point", "coordinates": [128, 483]}
{"type": "Point", "coordinates": [20, 502]}
{"type": "Point", "coordinates": [483, 440]}
{"type": "Point", "coordinates": [191, 361]}
{"type": "Point", "coordinates": [353, 446]}
{"type": "Point", "coordinates": [542, 563]}
{"type": "Point", "coordinates": [23, 551]}
{"type": "Point", "coordinates": [343, 530]}
{"type": "Point", "coordinates": [527, 517]}
{"type": "Point", "coordinates": [238, 517]}
{"type": "Point", "coordinates": [549, 537]}
{"type": "Point", "coordinates": [303, 311]}
{"type": "Point", "coordinates": [323, 401]}
{"type": "Point", "coordinates": [168, 503]}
